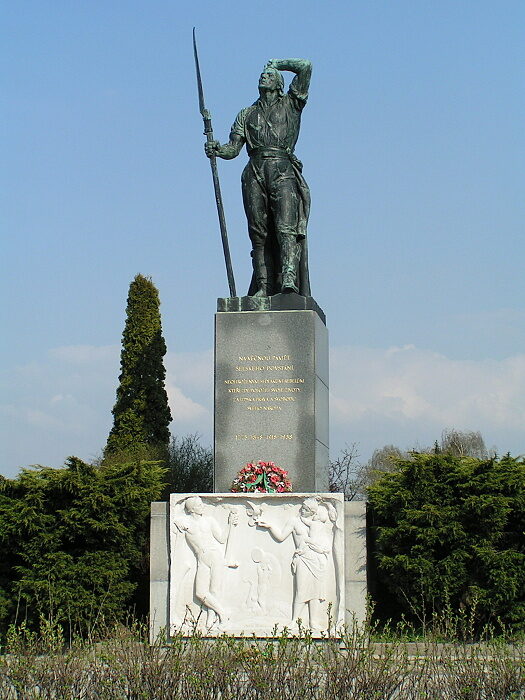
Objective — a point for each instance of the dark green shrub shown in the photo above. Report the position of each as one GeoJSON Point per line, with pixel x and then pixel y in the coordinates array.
{"type": "Point", "coordinates": [74, 542]}
{"type": "Point", "coordinates": [449, 534]}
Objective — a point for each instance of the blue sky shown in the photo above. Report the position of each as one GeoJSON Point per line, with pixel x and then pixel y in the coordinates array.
{"type": "Point", "coordinates": [414, 149]}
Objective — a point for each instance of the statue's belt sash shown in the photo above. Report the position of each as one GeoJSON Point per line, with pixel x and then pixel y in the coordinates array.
{"type": "Point", "coordinates": [270, 152]}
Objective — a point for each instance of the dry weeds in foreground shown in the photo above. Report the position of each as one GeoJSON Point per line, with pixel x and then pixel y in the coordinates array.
{"type": "Point", "coordinates": [125, 666]}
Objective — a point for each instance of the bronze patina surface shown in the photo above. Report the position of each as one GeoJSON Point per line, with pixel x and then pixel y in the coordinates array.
{"type": "Point", "coordinates": [275, 195]}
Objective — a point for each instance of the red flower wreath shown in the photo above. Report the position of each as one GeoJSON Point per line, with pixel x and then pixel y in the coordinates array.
{"type": "Point", "coordinates": [261, 477]}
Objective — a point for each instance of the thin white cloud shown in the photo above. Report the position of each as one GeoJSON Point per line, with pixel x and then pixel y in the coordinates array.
{"type": "Point", "coordinates": [184, 409]}
{"type": "Point", "coordinates": [85, 354]}
{"type": "Point", "coordinates": [61, 404]}
{"type": "Point", "coordinates": [420, 392]}
{"type": "Point", "coordinates": [193, 369]}
{"type": "Point", "coordinates": [189, 383]}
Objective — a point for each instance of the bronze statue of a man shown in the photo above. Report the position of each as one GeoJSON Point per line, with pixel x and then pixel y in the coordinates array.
{"type": "Point", "coordinates": [275, 195]}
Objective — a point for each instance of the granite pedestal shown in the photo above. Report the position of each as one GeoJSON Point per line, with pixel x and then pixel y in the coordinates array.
{"type": "Point", "coordinates": [240, 563]}
{"type": "Point", "coordinates": [271, 395]}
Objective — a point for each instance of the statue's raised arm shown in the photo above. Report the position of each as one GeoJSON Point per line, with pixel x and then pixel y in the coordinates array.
{"type": "Point", "coordinates": [302, 69]}
{"type": "Point", "coordinates": [275, 195]}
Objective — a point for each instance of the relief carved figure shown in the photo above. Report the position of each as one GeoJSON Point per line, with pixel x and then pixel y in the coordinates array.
{"type": "Point", "coordinates": [204, 537]}
{"type": "Point", "coordinates": [312, 531]}
{"type": "Point", "coordinates": [266, 568]}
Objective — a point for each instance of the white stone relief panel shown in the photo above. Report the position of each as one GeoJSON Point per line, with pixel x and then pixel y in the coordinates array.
{"type": "Point", "coordinates": [246, 563]}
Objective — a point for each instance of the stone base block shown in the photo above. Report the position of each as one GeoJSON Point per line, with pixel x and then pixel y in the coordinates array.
{"type": "Point", "coordinates": [355, 562]}
{"type": "Point", "coordinates": [246, 563]}
{"type": "Point", "coordinates": [159, 568]}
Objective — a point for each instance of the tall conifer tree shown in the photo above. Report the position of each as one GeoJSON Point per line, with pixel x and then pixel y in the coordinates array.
{"type": "Point", "coordinates": [141, 412]}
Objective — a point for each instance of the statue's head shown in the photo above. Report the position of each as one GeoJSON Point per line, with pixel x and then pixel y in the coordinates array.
{"type": "Point", "coordinates": [271, 79]}
{"type": "Point", "coordinates": [309, 507]}
{"type": "Point", "coordinates": [193, 504]}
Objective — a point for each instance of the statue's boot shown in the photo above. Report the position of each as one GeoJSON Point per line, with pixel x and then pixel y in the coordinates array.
{"type": "Point", "coordinates": [290, 254]}
{"type": "Point", "coordinates": [261, 271]}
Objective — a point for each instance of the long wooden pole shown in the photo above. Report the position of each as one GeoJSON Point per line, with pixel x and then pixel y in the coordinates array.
{"type": "Point", "coordinates": [208, 131]}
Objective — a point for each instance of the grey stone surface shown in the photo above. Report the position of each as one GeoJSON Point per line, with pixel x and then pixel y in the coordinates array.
{"type": "Point", "coordinates": [321, 344]}
{"type": "Point", "coordinates": [277, 302]}
{"type": "Point", "coordinates": [321, 410]}
{"type": "Point", "coordinates": [321, 460]}
{"type": "Point", "coordinates": [355, 561]}
{"type": "Point", "coordinates": [271, 395]}
{"type": "Point", "coordinates": [159, 568]}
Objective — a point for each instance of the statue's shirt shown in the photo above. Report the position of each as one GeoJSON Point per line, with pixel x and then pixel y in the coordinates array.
{"type": "Point", "coordinates": [274, 126]}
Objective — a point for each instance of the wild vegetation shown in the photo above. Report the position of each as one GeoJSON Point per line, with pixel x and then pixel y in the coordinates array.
{"type": "Point", "coordinates": [189, 466]}
{"type": "Point", "coordinates": [348, 475]}
{"type": "Point", "coordinates": [285, 667]}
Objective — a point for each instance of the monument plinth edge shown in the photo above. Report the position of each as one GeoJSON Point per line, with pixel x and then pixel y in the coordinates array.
{"type": "Point", "coordinates": [278, 302]}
